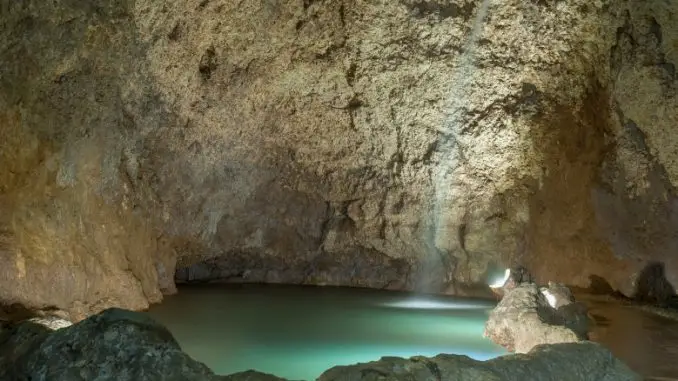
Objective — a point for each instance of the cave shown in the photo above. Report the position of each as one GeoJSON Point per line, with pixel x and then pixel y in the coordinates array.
{"type": "Point", "coordinates": [335, 165]}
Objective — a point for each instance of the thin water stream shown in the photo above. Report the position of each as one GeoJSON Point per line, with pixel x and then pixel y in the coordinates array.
{"type": "Point", "coordinates": [299, 332]}
{"type": "Point", "coordinates": [445, 179]}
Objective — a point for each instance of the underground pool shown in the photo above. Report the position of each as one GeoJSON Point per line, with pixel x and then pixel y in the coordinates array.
{"type": "Point", "coordinates": [299, 332]}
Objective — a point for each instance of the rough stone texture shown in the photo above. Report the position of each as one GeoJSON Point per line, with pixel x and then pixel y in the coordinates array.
{"type": "Point", "coordinates": [559, 362]}
{"type": "Point", "coordinates": [114, 345]}
{"type": "Point", "coordinates": [251, 375]}
{"type": "Point", "coordinates": [400, 144]}
{"type": "Point", "coordinates": [524, 319]}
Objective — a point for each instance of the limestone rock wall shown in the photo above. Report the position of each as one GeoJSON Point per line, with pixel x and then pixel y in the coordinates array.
{"type": "Point", "coordinates": [387, 144]}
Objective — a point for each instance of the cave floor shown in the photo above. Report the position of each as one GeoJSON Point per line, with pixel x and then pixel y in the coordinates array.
{"type": "Point", "coordinates": [641, 337]}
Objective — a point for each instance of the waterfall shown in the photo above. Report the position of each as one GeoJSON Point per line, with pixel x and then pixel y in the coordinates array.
{"type": "Point", "coordinates": [461, 80]}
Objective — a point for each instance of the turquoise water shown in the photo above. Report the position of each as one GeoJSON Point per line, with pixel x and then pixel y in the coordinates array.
{"type": "Point", "coordinates": [299, 332]}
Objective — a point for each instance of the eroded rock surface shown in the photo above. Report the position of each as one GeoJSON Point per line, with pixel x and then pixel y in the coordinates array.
{"type": "Point", "coordinates": [251, 375]}
{"type": "Point", "coordinates": [559, 362]}
{"type": "Point", "coordinates": [114, 345]}
{"type": "Point", "coordinates": [525, 318]}
{"type": "Point", "coordinates": [389, 144]}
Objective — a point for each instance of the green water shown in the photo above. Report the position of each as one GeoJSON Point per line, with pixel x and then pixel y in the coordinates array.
{"type": "Point", "coordinates": [298, 332]}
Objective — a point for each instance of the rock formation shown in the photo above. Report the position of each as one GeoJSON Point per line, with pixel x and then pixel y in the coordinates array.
{"type": "Point", "coordinates": [124, 345]}
{"type": "Point", "coordinates": [400, 144]}
{"type": "Point", "coordinates": [527, 317]}
{"type": "Point", "coordinates": [559, 362]}
{"type": "Point", "coordinates": [114, 345]}
{"type": "Point", "coordinates": [513, 277]}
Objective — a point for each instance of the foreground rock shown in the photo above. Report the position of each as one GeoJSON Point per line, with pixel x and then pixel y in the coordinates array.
{"type": "Point", "coordinates": [559, 362]}
{"type": "Point", "coordinates": [114, 345]}
{"type": "Point", "coordinates": [528, 316]}
{"type": "Point", "coordinates": [513, 277]}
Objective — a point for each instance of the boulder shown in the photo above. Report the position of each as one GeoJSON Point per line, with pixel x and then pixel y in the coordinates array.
{"type": "Point", "coordinates": [562, 362]}
{"type": "Point", "coordinates": [513, 277]}
{"type": "Point", "coordinates": [251, 375]}
{"type": "Point", "coordinates": [527, 316]}
{"type": "Point", "coordinates": [115, 345]}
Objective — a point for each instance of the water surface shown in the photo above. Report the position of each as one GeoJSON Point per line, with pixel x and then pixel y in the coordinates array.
{"type": "Point", "coordinates": [646, 342]}
{"type": "Point", "coordinates": [299, 332]}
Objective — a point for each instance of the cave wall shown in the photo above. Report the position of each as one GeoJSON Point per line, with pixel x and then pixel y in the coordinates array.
{"type": "Point", "coordinates": [387, 144]}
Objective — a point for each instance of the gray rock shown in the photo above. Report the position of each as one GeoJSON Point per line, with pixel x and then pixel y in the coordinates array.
{"type": "Point", "coordinates": [114, 345]}
{"type": "Point", "coordinates": [524, 319]}
{"type": "Point", "coordinates": [585, 361]}
{"type": "Point", "coordinates": [251, 375]}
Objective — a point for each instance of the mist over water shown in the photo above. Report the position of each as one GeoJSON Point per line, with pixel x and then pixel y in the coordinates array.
{"type": "Point", "coordinates": [299, 332]}
{"type": "Point", "coordinates": [449, 152]}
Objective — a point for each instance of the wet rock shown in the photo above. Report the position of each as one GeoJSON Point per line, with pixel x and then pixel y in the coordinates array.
{"type": "Point", "coordinates": [557, 295]}
{"type": "Point", "coordinates": [525, 318]}
{"type": "Point", "coordinates": [584, 361]}
{"type": "Point", "coordinates": [114, 345]}
{"type": "Point", "coordinates": [513, 277]}
{"type": "Point", "coordinates": [51, 322]}
{"type": "Point", "coordinates": [251, 375]}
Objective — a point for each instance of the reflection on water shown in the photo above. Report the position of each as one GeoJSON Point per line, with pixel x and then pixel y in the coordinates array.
{"type": "Point", "coordinates": [644, 341]}
{"type": "Point", "coordinates": [298, 332]}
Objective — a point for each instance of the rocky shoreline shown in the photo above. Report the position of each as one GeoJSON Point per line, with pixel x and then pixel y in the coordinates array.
{"type": "Point", "coordinates": [122, 345]}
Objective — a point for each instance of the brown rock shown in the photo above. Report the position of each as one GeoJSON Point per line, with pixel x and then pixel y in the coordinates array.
{"type": "Point", "coordinates": [524, 318]}
{"type": "Point", "coordinates": [301, 142]}
{"type": "Point", "coordinates": [114, 345]}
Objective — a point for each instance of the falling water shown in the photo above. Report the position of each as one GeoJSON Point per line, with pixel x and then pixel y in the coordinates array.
{"type": "Point", "coordinates": [435, 260]}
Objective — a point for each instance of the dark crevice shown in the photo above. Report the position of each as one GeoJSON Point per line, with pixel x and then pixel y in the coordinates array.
{"type": "Point", "coordinates": [440, 10]}
{"type": "Point", "coordinates": [308, 3]}
{"type": "Point", "coordinates": [342, 14]}
{"type": "Point", "coordinates": [208, 63]}
{"type": "Point", "coordinates": [324, 228]}
{"type": "Point", "coordinates": [656, 29]}
{"type": "Point", "coordinates": [299, 25]}
{"type": "Point", "coordinates": [350, 73]}
{"type": "Point", "coordinates": [351, 120]}
{"type": "Point", "coordinates": [461, 233]}
{"type": "Point", "coordinates": [432, 148]}
{"type": "Point", "coordinates": [432, 367]}
{"type": "Point", "coordinates": [175, 33]}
